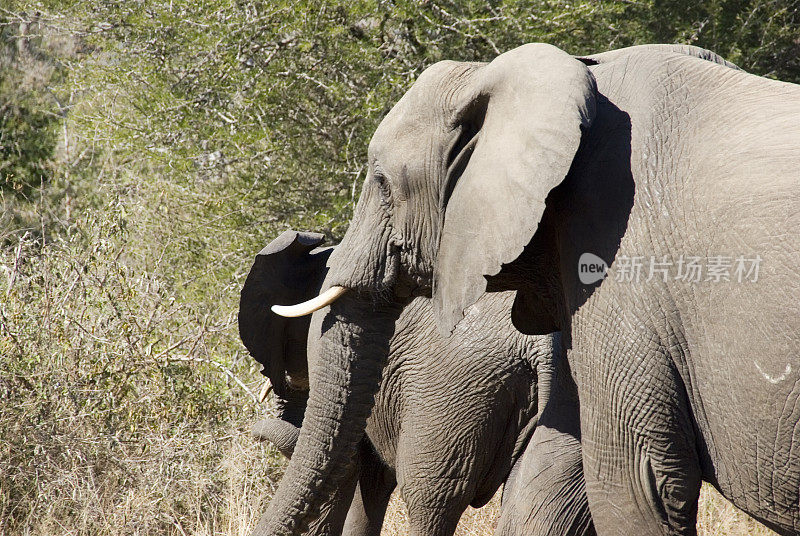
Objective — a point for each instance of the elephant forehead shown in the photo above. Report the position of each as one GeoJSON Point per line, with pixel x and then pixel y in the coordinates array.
{"type": "Point", "coordinates": [404, 125]}
{"type": "Point", "coordinates": [425, 108]}
{"type": "Point", "coordinates": [441, 83]}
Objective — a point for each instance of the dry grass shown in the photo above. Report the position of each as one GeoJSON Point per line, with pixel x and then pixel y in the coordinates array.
{"type": "Point", "coordinates": [123, 411]}
{"type": "Point", "coordinates": [716, 517]}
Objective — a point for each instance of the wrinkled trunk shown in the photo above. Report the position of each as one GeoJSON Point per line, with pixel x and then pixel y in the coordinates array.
{"type": "Point", "coordinates": [284, 431]}
{"type": "Point", "coordinates": [347, 362]}
{"type": "Point", "coordinates": [282, 434]}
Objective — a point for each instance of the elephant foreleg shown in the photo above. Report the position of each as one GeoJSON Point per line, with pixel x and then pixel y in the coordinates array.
{"type": "Point", "coordinates": [545, 493]}
{"type": "Point", "coordinates": [372, 494]}
{"type": "Point", "coordinates": [640, 452]}
{"type": "Point", "coordinates": [434, 504]}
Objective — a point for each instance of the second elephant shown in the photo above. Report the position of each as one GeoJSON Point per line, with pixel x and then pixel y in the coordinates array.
{"type": "Point", "coordinates": [454, 418]}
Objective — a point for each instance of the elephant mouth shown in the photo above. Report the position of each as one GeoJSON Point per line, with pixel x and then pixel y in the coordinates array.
{"type": "Point", "coordinates": [298, 382]}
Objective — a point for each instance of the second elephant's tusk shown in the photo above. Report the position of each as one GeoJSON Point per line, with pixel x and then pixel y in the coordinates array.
{"type": "Point", "coordinates": [308, 307]}
{"type": "Point", "coordinates": [262, 396]}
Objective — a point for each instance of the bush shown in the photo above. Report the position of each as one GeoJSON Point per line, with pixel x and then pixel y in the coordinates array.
{"type": "Point", "coordinates": [116, 416]}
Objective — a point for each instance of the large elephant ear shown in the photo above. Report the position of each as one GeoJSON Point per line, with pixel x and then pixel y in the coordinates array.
{"type": "Point", "coordinates": [525, 112]}
{"type": "Point", "coordinates": [290, 269]}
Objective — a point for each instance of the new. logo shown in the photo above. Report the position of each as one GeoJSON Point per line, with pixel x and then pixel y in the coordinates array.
{"type": "Point", "coordinates": [591, 268]}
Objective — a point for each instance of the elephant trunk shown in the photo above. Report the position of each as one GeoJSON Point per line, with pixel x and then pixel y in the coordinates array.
{"type": "Point", "coordinates": [283, 435]}
{"type": "Point", "coordinates": [283, 431]}
{"type": "Point", "coordinates": [346, 363]}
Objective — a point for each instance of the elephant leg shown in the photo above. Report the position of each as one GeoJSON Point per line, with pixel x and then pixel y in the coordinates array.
{"type": "Point", "coordinates": [434, 520]}
{"type": "Point", "coordinates": [435, 504]}
{"type": "Point", "coordinates": [640, 455]}
{"type": "Point", "coordinates": [435, 480]}
{"type": "Point", "coordinates": [375, 485]}
{"type": "Point", "coordinates": [545, 493]}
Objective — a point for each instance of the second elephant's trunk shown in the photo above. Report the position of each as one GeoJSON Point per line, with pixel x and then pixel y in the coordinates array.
{"type": "Point", "coordinates": [347, 350]}
{"type": "Point", "coordinates": [282, 434]}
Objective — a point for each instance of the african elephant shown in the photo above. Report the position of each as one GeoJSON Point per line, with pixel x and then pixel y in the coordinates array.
{"type": "Point", "coordinates": [451, 417]}
{"type": "Point", "coordinates": [531, 172]}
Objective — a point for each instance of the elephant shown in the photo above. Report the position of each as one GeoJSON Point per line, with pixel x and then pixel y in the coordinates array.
{"type": "Point", "coordinates": [453, 417]}
{"type": "Point", "coordinates": [555, 176]}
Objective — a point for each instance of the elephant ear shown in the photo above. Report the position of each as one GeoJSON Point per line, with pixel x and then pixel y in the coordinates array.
{"type": "Point", "coordinates": [521, 123]}
{"type": "Point", "coordinates": [290, 269]}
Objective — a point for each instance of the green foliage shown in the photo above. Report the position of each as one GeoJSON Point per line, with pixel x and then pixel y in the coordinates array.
{"type": "Point", "coordinates": [148, 149]}
{"type": "Point", "coordinates": [28, 114]}
{"type": "Point", "coordinates": [27, 146]}
{"type": "Point", "coordinates": [761, 36]}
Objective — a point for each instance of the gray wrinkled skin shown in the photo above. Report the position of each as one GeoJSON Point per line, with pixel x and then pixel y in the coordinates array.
{"type": "Point", "coordinates": [451, 416]}
{"type": "Point", "coordinates": [500, 176]}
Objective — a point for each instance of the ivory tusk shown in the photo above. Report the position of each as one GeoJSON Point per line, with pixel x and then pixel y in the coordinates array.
{"type": "Point", "coordinates": [308, 307]}
{"type": "Point", "coordinates": [264, 391]}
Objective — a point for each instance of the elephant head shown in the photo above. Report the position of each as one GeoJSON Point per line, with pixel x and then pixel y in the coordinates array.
{"type": "Point", "coordinates": [459, 172]}
{"type": "Point", "coordinates": [290, 268]}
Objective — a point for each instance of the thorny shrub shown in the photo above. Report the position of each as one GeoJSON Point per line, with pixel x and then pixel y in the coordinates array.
{"type": "Point", "coordinates": [117, 415]}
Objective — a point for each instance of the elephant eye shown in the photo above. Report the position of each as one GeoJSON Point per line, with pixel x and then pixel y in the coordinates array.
{"type": "Point", "coordinates": [383, 185]}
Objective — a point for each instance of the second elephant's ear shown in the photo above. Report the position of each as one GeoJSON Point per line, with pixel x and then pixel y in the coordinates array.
{"type": "Point", "coordinates": [522, 117]}
{"type": "Point", "coordinates": [290, 269]}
